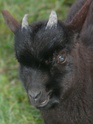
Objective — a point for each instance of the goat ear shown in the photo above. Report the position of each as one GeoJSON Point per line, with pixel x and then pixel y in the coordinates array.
{"type": "Point", "coordinates": [12, 23]}
{"type": "Point", "coordinates": [78, 20]}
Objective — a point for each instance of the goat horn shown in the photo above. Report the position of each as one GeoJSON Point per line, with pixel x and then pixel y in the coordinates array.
{"type": "Point", "coordinates": [25, 21]}
{"type": "Point", "coordinates": [52, 20]}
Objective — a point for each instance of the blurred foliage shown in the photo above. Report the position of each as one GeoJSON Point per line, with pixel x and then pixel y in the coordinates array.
{"type": "Point", "coordinates": [14, 105]}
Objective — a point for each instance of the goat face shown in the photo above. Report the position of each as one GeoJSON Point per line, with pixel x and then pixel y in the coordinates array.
{"type": "Point", "coordinates": [44, 52]}
{"type": "Point", "coordinates": [44, 63]}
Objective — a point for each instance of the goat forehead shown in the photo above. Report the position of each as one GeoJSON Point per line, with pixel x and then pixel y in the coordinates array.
{"type": "Point", "coordinates": [47, 40]}
{"type": "Point", "coordinates": [39, 44]}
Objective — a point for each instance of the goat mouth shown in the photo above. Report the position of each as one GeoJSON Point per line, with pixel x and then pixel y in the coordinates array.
{"type": "Point", "coordinates": [44, 103]}
{"type": "Point", "coordinates": [49, 103]}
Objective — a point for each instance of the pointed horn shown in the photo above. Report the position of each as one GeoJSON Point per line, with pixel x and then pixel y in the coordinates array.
{"type": "Point", "coordinates": [12, 23]}
{"type": "Point", "coordinates": [78, 20]}
{"type": "Point", "coordinates": [25, 21]}
{"type": "Point", "coordinates": [52, 20]}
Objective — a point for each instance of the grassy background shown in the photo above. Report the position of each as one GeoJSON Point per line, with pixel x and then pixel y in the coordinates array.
{"type": "Point", "coordinates": [14, 105]}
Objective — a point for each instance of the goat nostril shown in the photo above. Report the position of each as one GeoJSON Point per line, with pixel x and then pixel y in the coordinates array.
{"type": "Point", "coordinates": [35, 95]}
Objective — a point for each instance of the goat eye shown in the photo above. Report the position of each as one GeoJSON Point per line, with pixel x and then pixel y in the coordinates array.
{"type": "Point", "coordinates": [61, 60]}
{"type": "Point", "coordinates": [60, 57]}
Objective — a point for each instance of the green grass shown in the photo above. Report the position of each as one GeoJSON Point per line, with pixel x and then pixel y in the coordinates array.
{"type": "Point", "coordinates": [14, 105]}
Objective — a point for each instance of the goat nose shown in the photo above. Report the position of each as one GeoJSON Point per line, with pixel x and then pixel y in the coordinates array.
{"type": "Point", "coordinates": [35, 94]}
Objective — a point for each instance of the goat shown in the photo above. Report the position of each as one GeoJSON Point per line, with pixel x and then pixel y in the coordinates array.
{"type": "Point", "coordinates": [56, 63]}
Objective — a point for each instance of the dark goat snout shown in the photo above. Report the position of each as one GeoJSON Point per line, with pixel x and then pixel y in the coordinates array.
{"type": "Point", "coordinates": [35, 94]}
